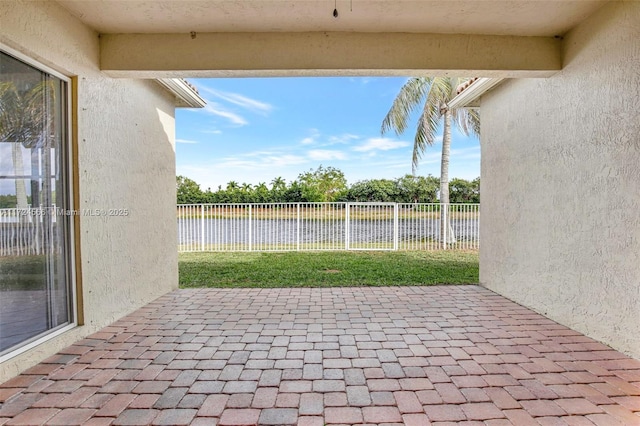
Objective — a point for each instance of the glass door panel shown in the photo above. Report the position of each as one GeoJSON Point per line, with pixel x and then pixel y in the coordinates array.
{"type": "Point", "coordinates": [35, 296]}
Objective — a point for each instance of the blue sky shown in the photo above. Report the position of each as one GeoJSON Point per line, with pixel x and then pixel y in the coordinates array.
{"type": "Point", "coordinates": [253, 130]}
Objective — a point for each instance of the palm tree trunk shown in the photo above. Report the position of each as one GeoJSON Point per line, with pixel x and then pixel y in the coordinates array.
{"type": "Point", "coordinates": [445, 236]}
{"type": "Point", "coordinates": [444, 165]}
{"type": "Point", "coordinates": [18, 167]}
{"type": "Point", "coordinates": [35, 181]}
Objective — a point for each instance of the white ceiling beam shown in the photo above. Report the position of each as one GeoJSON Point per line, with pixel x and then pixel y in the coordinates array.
{"type": "Point", "coordinates": [322, 53]}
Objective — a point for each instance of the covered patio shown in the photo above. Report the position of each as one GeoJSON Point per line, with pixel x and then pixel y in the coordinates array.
{"type": "Point", "coordinates": [390, 355]}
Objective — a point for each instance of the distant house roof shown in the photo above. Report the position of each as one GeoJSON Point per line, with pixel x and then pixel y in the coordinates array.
{"type": "Point", "coordinates": [186, 94]}
{"type": "Point", "coordinates": [468, 93]}
{"type": "Point", "coordinates": [464, 85]}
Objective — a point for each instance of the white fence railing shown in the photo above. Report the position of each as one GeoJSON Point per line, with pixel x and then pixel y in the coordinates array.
{"type": "Point", "coordinates": [327, 226]}
{"type": "Point", "coordinates": [27, 231]}
{"type": "Point", "coordinates": [281, 227]}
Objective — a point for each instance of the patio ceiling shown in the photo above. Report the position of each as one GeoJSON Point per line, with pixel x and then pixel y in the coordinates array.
{"type": "Point", "coordinates": [281, 37]}
{"type": "Point", "coordinates": [518, 18]}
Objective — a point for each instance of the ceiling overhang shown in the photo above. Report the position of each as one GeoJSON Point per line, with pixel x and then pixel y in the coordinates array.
{"type": "Point", "coordinates": [215, 38]}
{"type": "Point", "coordinates": [325, 53]}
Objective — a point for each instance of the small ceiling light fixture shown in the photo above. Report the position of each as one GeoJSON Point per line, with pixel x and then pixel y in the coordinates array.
{"type": "Point", "coordinates": [335, 7]}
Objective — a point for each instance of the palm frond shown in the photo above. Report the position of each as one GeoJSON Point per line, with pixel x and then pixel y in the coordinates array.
{"type": "Point", "coordinates": [473, 116]}
{"type": "Point", "coordinates": [409, 98]}
{"type": "Point", "coordinates": [442, 90]}
{"type": "Point", "coordinates": [26, 116]}
{"type": "Point", "coordinates": [436, 93]}
{"type": "Point", "coordinates": [466, 119]}
{"type": "Point", "coordinates": [425, 132]}
{"type": "Point", "coordinates": [436, 99]}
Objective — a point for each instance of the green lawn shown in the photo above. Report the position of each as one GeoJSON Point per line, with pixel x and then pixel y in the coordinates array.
{"type": "Point", "coordinates": [327, 269]}
{"type": "Point", "coordinates": [22, 272]}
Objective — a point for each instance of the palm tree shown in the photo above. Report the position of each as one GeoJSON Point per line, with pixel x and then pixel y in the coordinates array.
{"type": "Point", "coordinates": [9, 104]}
{"type": "Point", "coordinates": [278, 184]}
{"type": "Point", "coordinates": [262, 193]}
{"type": "Point", "coordinates": [434, 94]}
{"type": "Point", "coordinates": [278, 188]}
{"type": "Point", "coordinates": [25, 121]}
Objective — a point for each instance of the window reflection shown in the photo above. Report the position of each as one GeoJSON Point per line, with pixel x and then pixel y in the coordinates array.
{"type": "Point", "coordinates": [34, 251]}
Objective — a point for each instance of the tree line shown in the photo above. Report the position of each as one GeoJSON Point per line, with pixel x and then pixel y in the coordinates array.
{"type": "Point", "coordinates": [327, 184]}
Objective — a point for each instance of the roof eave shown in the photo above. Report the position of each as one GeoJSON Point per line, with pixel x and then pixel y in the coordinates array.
{"type": "Point", "coordinates": [186, 96]}
{"type": "Point", "coordinates": [470, 96]}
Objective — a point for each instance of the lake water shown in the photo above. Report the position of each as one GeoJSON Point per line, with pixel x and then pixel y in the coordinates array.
{"type": "Point", "coordinates": [287, 231]}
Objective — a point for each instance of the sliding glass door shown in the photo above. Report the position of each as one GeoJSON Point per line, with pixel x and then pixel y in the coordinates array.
{"type": "Point", "coordinates": [35, 210]}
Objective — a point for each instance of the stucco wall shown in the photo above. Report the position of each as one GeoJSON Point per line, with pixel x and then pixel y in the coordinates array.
{"type": "Point", "coordinates": [126, 160]}
{"type": "Point", "coordinates": [561, 184]}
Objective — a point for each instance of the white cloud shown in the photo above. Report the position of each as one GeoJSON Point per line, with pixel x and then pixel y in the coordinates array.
{"type": "Point", "coordinates": [212, 132]}
{"type": "Point", "coordinates": [391, 164]}
{"type": "Point", "coordinates": [380, 144]}
{"type": "Point", "coordinates": [212, 177]}
{"type": "Point", "coordinates": [240, 100]}
{"type": "Point", "coordinates": [262, 154]}
{"type": "Point", "coordinates": [283, 160]}
{"type": "Point", "coordinates": [344, 138]}
{"type": "Point", "coordinates": [261, 160]}
{"type": "Point", "coordinates": [312, 138]}
{"type": "Point", "coordinates": [217, 109]}
{"type": "Point", "coordinates": [326, 154]}
{"type": "Point", "coordinates": [402, 165]}
{"type": "Point", "coordinates": [307, 141]}
{"type": "Point", "coordinates": [186, 141]}
{"type": "Point", "coordinates": [470, 153]}
{"type": "Point", "coordinates": [253, 167]}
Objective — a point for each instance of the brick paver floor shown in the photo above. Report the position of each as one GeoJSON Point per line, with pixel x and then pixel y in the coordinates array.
{"type": "Point", "coordinates": [438, 355]}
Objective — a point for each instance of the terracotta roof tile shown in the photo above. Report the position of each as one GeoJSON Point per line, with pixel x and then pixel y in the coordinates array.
{"type": "Point", "coordinates": [464, 85]}
{"type": "Point", "coordinates": [194, 88]}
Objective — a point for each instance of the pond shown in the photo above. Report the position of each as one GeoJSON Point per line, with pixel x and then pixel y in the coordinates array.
{"type": "Point", "coordinates": [361, 233]}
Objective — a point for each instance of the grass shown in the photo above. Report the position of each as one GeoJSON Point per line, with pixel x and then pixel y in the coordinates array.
{"type": "Point", "coordinates": [327, 269]}
{"type": "Point", "coordinates": [22, 272]}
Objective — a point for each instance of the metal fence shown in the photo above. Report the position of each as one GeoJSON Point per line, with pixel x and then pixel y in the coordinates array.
{"type": "Point", "coordinates": [27, 231]}
{"type": "Point", "coordinates": [327, 226]}
{"type": "Point", "coordinates": [282, 227]}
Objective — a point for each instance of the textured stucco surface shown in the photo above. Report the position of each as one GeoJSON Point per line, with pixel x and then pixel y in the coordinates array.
{"type": "Point", "coordinates": [326, 54]}
{"type": "Point", "coordinates": [561, 184]}
{"type": "Point", "coordinates": [126, 161]}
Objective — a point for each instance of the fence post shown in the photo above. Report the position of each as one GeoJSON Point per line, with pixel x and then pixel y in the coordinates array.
{"type": "Point", "coordinates": [250, 242]}
{"type": "Point", "coordinates": [298, 227]}
{"type": "Point", "coordinates": [19, 233]}
{"type": "Point", "coordinates": [346, 226]}
{"type": "Point", "coordinates": [202, 227]}
{"type": "Point", "coordinates": [445, 224]}
{"type": "Point", "coordinates": [395, 226]}
{"type": "Point", "coordinates": [477, 233]}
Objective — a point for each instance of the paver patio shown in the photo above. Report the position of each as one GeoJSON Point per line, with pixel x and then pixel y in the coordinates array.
{"type": "Point", "coordinates": [437, 355]}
